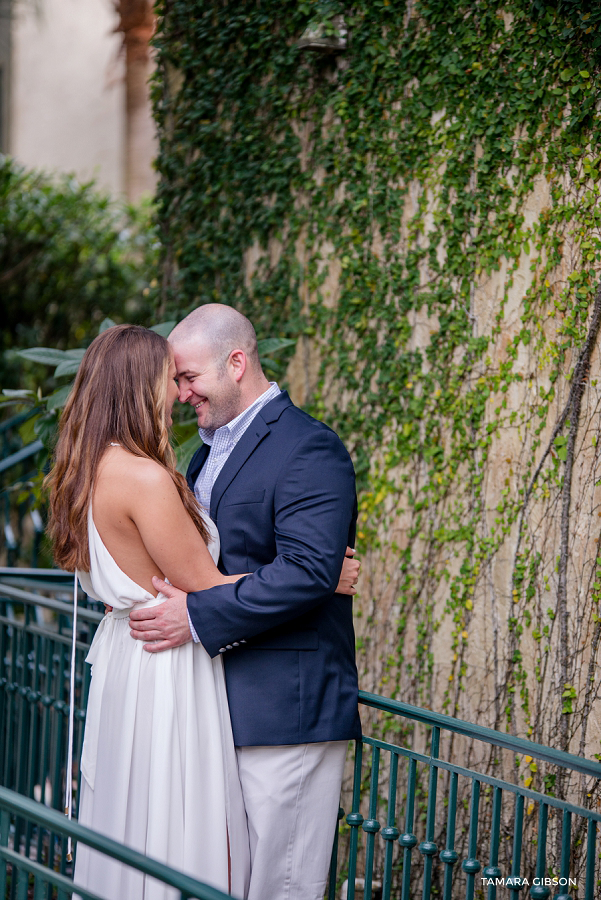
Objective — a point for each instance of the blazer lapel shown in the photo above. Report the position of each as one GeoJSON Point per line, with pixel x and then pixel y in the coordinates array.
{"type": "Point", "coordinates": [196, 464]}
{"type": "Point", "coordinates": [252, 437]}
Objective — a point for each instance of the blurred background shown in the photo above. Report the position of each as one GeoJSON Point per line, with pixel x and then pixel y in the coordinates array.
{"type": "Point", "coordinates": [74, 93]}
{"type": "Point", "coordinates": [404, 196]}
{"type": "Point", "coordinates": [77, 240]}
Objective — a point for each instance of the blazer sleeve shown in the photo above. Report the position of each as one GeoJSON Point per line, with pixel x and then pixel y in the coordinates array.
{"type": "Point", "coordinates": [315, 504]}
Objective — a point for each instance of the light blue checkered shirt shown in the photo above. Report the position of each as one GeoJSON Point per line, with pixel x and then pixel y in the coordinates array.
{"type": "Point", "coordinates": [222, 442]}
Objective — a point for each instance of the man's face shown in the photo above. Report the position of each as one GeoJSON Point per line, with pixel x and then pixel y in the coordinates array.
{"type": "Point", "coordinates": [210, 389]}
{"type": "Point", "coordinates": [172, 392]}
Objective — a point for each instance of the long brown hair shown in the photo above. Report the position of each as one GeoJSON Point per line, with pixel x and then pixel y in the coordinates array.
{"type": "Point", "coordinates": [119, 395]}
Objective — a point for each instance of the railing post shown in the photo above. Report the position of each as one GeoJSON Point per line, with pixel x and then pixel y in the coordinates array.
{"type": "Point", "coordinates": [4, 829]}
{"type": "Point", "coordinates": [333, 858]}
{"type": "Point", "coordinates": [390, 832]}
{"type": "Point", "coordinates": [9, 740]}
{"type": "Point", "coordinates": [516, 856]}
{"type": "Point", "coordinates": [566, 842]}
{"type": "Point", "coordinates": [471, 865]}
{"type": "Point", "coordinates": [355, 820]}
{"type": "Point", "coordinates": [371, 826]}
{"type": "Point", "coordinates": [428, 848]}
{"type": "Point", "coordinates": [591, 858]}
{"type": "Point", "coordinates": [19, 695]}
{"type": "Point", "coordinates": [492, 870]}
{"type": "Point", "coordinates": [408, 840]}
{"type": "Point", "coordinates": [449, 855]}
{"type": "Point", "coordinates": [539, 891]}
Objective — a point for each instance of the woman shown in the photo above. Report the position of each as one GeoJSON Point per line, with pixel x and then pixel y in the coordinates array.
{"type": "Point", "coordinates": [158, 762]}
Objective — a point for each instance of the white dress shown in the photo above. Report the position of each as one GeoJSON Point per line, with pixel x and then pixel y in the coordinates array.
{"type": "Point", "coordinates": [158, 764]}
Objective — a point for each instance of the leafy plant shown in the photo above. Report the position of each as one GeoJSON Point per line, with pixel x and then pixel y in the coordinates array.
{"type": "Point", "coordinates": [69, 256]}
{"type": "Point", "coordinates": [423, 211]}
{"type": "Point", "coordinates": [47, 408]}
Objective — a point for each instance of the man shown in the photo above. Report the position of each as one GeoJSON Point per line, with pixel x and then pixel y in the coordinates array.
{"type": "Point", "coordinates": [280, 486]}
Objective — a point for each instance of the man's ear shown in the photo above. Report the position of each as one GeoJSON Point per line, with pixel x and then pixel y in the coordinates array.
{"type": "Point", "coordinates": [237, 363]}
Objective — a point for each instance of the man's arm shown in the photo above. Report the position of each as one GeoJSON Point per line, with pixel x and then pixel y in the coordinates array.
{"type": "Point", "coordinates": [176, 626]}
{"type": "Point", "coordinates": [314, 504]}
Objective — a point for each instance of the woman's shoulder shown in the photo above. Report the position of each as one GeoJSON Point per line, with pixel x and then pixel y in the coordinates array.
{"type": "Point", "coordinates": [137, 472]}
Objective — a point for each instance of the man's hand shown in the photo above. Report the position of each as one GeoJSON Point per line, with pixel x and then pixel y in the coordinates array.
{"type": "Point", "coordinates": [165, 625]}
{"type": "Point", "coordinates": [349, 574]}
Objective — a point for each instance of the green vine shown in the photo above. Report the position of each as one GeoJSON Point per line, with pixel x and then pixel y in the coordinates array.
{"type": "Point", "coordinates": [422, 209]}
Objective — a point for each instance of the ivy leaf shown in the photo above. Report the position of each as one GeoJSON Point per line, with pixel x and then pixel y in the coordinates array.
{"type": "Point", "coordinates": [45, 355]}
{"type": "Point", "coordinates": [272, 345]}
{"type": "Point", "coordinates": [185, 452]}
{"type": "Point", "coordinates": [164, 328]}
{"type": "Point", "coordinates": [561, 445]}
{"type": "Point", "coordinates": [58, 399]}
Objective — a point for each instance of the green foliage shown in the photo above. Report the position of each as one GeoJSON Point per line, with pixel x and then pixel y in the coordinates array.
{"type": "Point", "coordinates": [46, 410]}
{"type": "Point", "coordinates": [69, 256]}
{"type": "Point", "coordinates": [349, 199]}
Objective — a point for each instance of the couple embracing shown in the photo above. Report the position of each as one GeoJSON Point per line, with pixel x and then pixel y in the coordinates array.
{"type": "Point", "coordinates": [224, 685]}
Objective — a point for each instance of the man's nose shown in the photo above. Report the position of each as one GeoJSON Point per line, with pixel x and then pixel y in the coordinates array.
{"type": "Point", "coordinates": [184, 394]}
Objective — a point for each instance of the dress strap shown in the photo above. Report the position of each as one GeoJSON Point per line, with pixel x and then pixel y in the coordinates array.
{"type": "Point", "coordinates": [69, 776]}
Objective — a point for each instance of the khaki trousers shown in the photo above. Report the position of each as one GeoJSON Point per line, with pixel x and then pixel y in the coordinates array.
{"type": "Point", "coordinates": [291, 795]}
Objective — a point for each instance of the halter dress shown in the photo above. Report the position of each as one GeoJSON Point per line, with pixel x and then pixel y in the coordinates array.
{"type": "Point", "coordinates": [158, 764]}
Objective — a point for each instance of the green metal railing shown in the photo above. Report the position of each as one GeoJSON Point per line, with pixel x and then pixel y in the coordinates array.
{"type": "Point", "coordinates": [435, 806]}
{"type": "Point", "coordinates": [22, 524]}
{"type": "Point", "coordinates": [421, 825]}
{"type": "Point", "coordinates": [42, 873]}
{"type": "Point", "coordinates": [35, 648]}
{"type": "Point", "coordinates": [35, 653]}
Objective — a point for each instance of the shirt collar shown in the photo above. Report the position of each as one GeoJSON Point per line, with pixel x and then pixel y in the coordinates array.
{"type": "Point", "coordinates": [233, 427]}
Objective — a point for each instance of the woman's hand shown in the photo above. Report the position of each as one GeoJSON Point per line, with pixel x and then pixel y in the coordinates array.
{"type": "Point", "coordinates": [349, 574]}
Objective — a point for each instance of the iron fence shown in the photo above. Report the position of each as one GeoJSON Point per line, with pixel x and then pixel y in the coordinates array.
{"type": "Point", "coordinates": [437, 807]}
{"type": "Point", "coordinates": [35, 655]}
{"type": "Point", "coordinates": [22, 525]}
{"type": "Point", "coordinates": [421, 825]}
{"type": "Point", "coordinates": [40, 870]}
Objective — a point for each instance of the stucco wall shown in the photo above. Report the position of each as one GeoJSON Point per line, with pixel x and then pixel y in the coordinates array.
{"type": "Point", "coordinates": [67, 89]}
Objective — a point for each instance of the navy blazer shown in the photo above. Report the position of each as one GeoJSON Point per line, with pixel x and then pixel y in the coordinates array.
{"type": "Point", "coordinates": [285, 506]}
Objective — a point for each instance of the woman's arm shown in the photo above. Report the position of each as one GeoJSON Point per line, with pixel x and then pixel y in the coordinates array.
{"type": "Point", "coordinates": [144, 525]}
{"type": "Point", "coordinates": [149, 532]}
{"type": "Point", "coordinates": [169, 534]}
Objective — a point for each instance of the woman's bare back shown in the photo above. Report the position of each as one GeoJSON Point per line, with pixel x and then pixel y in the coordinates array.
{"type": "Point", "coordinates": [144, 525]}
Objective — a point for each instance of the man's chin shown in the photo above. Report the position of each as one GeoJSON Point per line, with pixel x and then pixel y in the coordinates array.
{"type": "Point", "coordinates": [201, 417]}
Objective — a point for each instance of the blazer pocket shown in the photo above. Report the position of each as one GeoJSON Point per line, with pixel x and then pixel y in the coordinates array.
{"type": "Point", "coordinates": [248, 497]}
{"type": "Point", "coordinates": [292, 640]}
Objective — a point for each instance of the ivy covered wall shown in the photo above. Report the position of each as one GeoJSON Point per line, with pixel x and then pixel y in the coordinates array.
{"type": "Point", "coordinates": [421, 209]}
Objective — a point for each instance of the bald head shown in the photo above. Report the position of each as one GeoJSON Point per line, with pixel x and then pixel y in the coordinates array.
{"type": "Point", "coordinates": [219, 329]}
{"type": "Point", "coordinates": [217, 361]}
